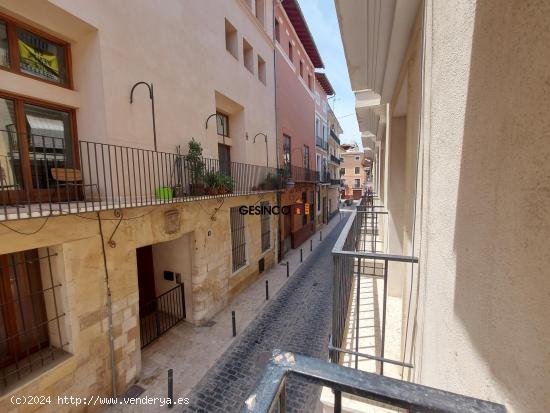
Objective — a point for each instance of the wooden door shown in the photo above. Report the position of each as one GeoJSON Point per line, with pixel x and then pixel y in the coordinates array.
{"type": "Point", "coordinates": [146, 275]}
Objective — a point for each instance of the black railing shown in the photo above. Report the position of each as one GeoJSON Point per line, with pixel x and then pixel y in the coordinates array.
{"type": "Point", "coordinates": [334, 136]}
{"type": "Point", "coordinates": [335, 159]}
{"type": "Point", "coordinates": [299, 174]}
{"type": "Point", "coordinates": [357, 257]}
{"type": "Point", "coordinates": [161, 314]}
{"type": "Point", "coordinates": [336, 182]}
{"type": "Point", "coordinates": [270, 394]}
{"type": "Point", "coordinates": [321, 143]}
{"type": "Point", "coordinates": [51, 177]}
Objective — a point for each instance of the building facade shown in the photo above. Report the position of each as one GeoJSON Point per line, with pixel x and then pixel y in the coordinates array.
{"type": "Point", "coordinates": [464, 193]}
{"type": "Point", "coordinates": [352, 171]}
{"type": "Point", "coordinates": [125, 155]}
{"type": "Point", "coordinates": [296, 58]}
{"type": "Point", "coordinates": [335, 130]}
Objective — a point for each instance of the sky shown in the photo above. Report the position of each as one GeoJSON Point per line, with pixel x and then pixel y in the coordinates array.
{"type": "Point", "coordinates": [323, 25]}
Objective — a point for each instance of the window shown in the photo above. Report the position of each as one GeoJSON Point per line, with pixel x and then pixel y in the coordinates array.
{"type": "Point", "coordinates": [260, 10]}
{"type": "Point", "coordinates": [231, 43]}
{"type": "Point", "coordinates": [238, 238]}
{"type": "Point", "coordinates": [248, 56]}
{"type": "Point", "coordinates": [356, 158]}
{"type": "Point", "coordinates": [36, 139]}
{"type": "Point", "coordinates": [32, 54]}
{"type": "Point", "coordinates": [301, 68]}
{"type": "Point", "coordinates": [357, 170]}
{"type": "Point", "coordinates": [31, 331]}
{"type": "Point", "coordinates": [286, 153]}
{"type": "Point", "coordinates": [317, 127]}
{"type": "Point", "coordinates": [306, 156]}
{"type": "Point", "coordinates": [290, 52]}
{"type": "Point", "coordinates": [222, 124]}
{"type": "Point", "coordinates": [312, 207]}
{"type": "Point", "coordinates": [318, 200]}
{"type": "Point", "coordinates": [265, 228]}
{"type": "Point", "coordinates": [357, 183]}
{"type": "Point", "coordinates": [277, 31]}
{"type": "Point", "coordinates": [309, 82]}
{"type": "Point", "coordinates": [342, 171]}
{"type": "Point", "coordinates": [261, 70]}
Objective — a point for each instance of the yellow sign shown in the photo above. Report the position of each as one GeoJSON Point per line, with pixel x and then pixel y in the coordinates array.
{"type": "Point", "coordinates": [306, 209]}
{"type": "Point", "coordinates": [42, 63]}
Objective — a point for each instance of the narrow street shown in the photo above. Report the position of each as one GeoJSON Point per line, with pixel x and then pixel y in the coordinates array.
{"type": "Point", "coordinates": [297, 319]}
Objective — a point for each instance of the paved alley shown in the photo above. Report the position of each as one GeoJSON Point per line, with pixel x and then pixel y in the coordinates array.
{"type": "Point", "coordinates": [297, 319]}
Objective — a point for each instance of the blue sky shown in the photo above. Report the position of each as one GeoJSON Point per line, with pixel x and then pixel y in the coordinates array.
{"type": "Point", "coordinates": [323, 24]}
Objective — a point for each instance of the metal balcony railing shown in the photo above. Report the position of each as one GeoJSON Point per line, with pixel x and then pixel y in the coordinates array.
{"type": "Point", "coordinates": [321, 143]}
{"type": "Point", "coordinates": [270, 394]}
{"type": "Point", "coordinates": [48, 176]}
{"type": "Point", "coordinates": [299, 174]}
{"type": "Point", "coordinates": [335, 159]}
{"type": "Point", "coordinates": [334, 136]}
{"type": "Point", "coordinates": [336, 182]}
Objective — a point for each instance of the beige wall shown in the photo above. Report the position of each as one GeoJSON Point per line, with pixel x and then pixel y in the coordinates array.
{"type": "Point", "coordinates": [484, 221]}
{"type": "Point", "coordinates": [172, 47]}
{"type": "Point", "coordinates": [350, 163]}
{"type": "Point", "coordinates": [209, 283]}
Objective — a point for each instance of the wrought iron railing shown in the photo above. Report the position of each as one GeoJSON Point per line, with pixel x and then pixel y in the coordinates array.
{"type": "Point", "coordinates": [336, 182]}
{"type": "Point", "coordinates": [335, 159]}
{"type": "Point", "coordinates": [334, 136]}
{"type": "Point", "coordinates": [321, 143]}
{"type": "Point", "coordinates": [161, 314]}
{"type": "Point", "coordinates": [299, 174]}
{"type": "Point", "coordinates": [51, 177]}
{"type": "Point", "coordinates": [270, 394]}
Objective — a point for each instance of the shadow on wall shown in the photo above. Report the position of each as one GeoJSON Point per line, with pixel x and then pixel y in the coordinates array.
{"type": "Point", "coordinates": [502, 233]}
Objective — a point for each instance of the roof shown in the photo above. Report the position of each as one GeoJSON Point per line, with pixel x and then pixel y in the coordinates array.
{"type": "Point", "coordinates": [294, 13]}
{"type": "Point", "coordinates": [325, 84]}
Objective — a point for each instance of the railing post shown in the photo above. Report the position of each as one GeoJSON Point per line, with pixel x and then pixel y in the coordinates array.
{"type": "Point", "coordinates": [234, 323]}
{"type": "Point", "coordinates": [384, 299]}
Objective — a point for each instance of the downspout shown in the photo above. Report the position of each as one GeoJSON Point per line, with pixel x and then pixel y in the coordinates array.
{"type": "Point", "coordinates": [109, 309]}
{"type": "Point", "coordinates": [278, 193]}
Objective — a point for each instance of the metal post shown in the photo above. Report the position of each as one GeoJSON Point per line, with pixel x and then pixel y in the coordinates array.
{"type": "Point", "coordinates": [320, 235]}
{"type": "Point", "coordinates": [311, 244]}
{"type": "Point", "coordinates": [357, 313]}
{"type": "Point", "coordinates": [337, 401]}
{"type": "Point", "coordinates": [287, 270]}
{"type": "Point", "coordinates": [384, 315]}
{"type": "Point", "coordinates": [234, 323]}
{"type": "Point", "coordinates": [266, 290]}
{"type": "Point", "coordinates": [170, 387]}
{"type": "Point", "coordinates": [301, 256]}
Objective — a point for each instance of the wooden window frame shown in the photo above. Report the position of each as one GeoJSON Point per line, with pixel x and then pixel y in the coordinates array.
{"type": "Point", "coordinates": [37, 194]}
{"type": "Point", "coordinates": [237, 225]}
{"type": "Point", "coordinates": [11, 29]}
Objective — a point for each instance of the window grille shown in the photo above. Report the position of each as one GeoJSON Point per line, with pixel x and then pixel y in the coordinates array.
{"type": "Point", "coordinates": [265, 228]}
{"type": "Point", "coordinates": [31, 334]}
{"type": "Point", "coordinates": [238, 239]}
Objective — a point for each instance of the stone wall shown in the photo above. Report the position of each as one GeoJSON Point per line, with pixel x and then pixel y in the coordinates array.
{"type": "Point", "coordinates": [79, 265]}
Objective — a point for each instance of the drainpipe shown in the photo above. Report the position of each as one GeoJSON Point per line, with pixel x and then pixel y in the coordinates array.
{"type": "Point", "coordinates": [278, 194]}
{"type": "Point", "coordinates": [109, 310]}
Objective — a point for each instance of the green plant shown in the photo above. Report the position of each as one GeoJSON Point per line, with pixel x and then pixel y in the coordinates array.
{"type": "Point", "coordinates": [195, 162]}
{"type": "Point", "coordinates": [270, 182]}
{"type": "Point", "coordinates": [218, 183]}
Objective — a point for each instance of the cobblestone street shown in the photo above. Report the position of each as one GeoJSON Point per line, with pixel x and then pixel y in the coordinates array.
{"type": "Point", "coordinates": [297, 319]}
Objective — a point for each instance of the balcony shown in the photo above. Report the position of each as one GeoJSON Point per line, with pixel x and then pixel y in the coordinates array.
{"type": "Point", "coordinates": [335, 159]}
{"type": "Point", "coordinates": [365, 369]}
{"type": "Point", "coordinates": [334, 136]}
{"type": "Point", "coordinates": [320, 143]}
{"type": "Point", "coordinates": [49, 179]}
{"type": "Point", "coordinates": [299, 174]}
{"type": "Point", "coordinates": [336, 182]}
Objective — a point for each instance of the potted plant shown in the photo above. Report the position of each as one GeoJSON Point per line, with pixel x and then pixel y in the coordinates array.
{"type": "Point", "coordinates": [270, 182]}
{"type": "Point", "coordinates": [196, 167]}
{"type": "Point", "coordinates": [217, 183]}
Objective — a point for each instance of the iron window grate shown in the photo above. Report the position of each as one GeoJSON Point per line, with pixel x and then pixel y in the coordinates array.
{"type": "Point", "coordinates": [265, 228]}
{"type": "Point", "coordinates": [31, 334]}
{"type": "Point", "coordinates": [238, 239]}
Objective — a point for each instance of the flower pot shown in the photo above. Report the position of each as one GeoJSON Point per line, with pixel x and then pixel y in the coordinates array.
{"type": "Point", "coordinates": [196, 189]}
{"type": "Point", "coordinates": [164, 193]}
